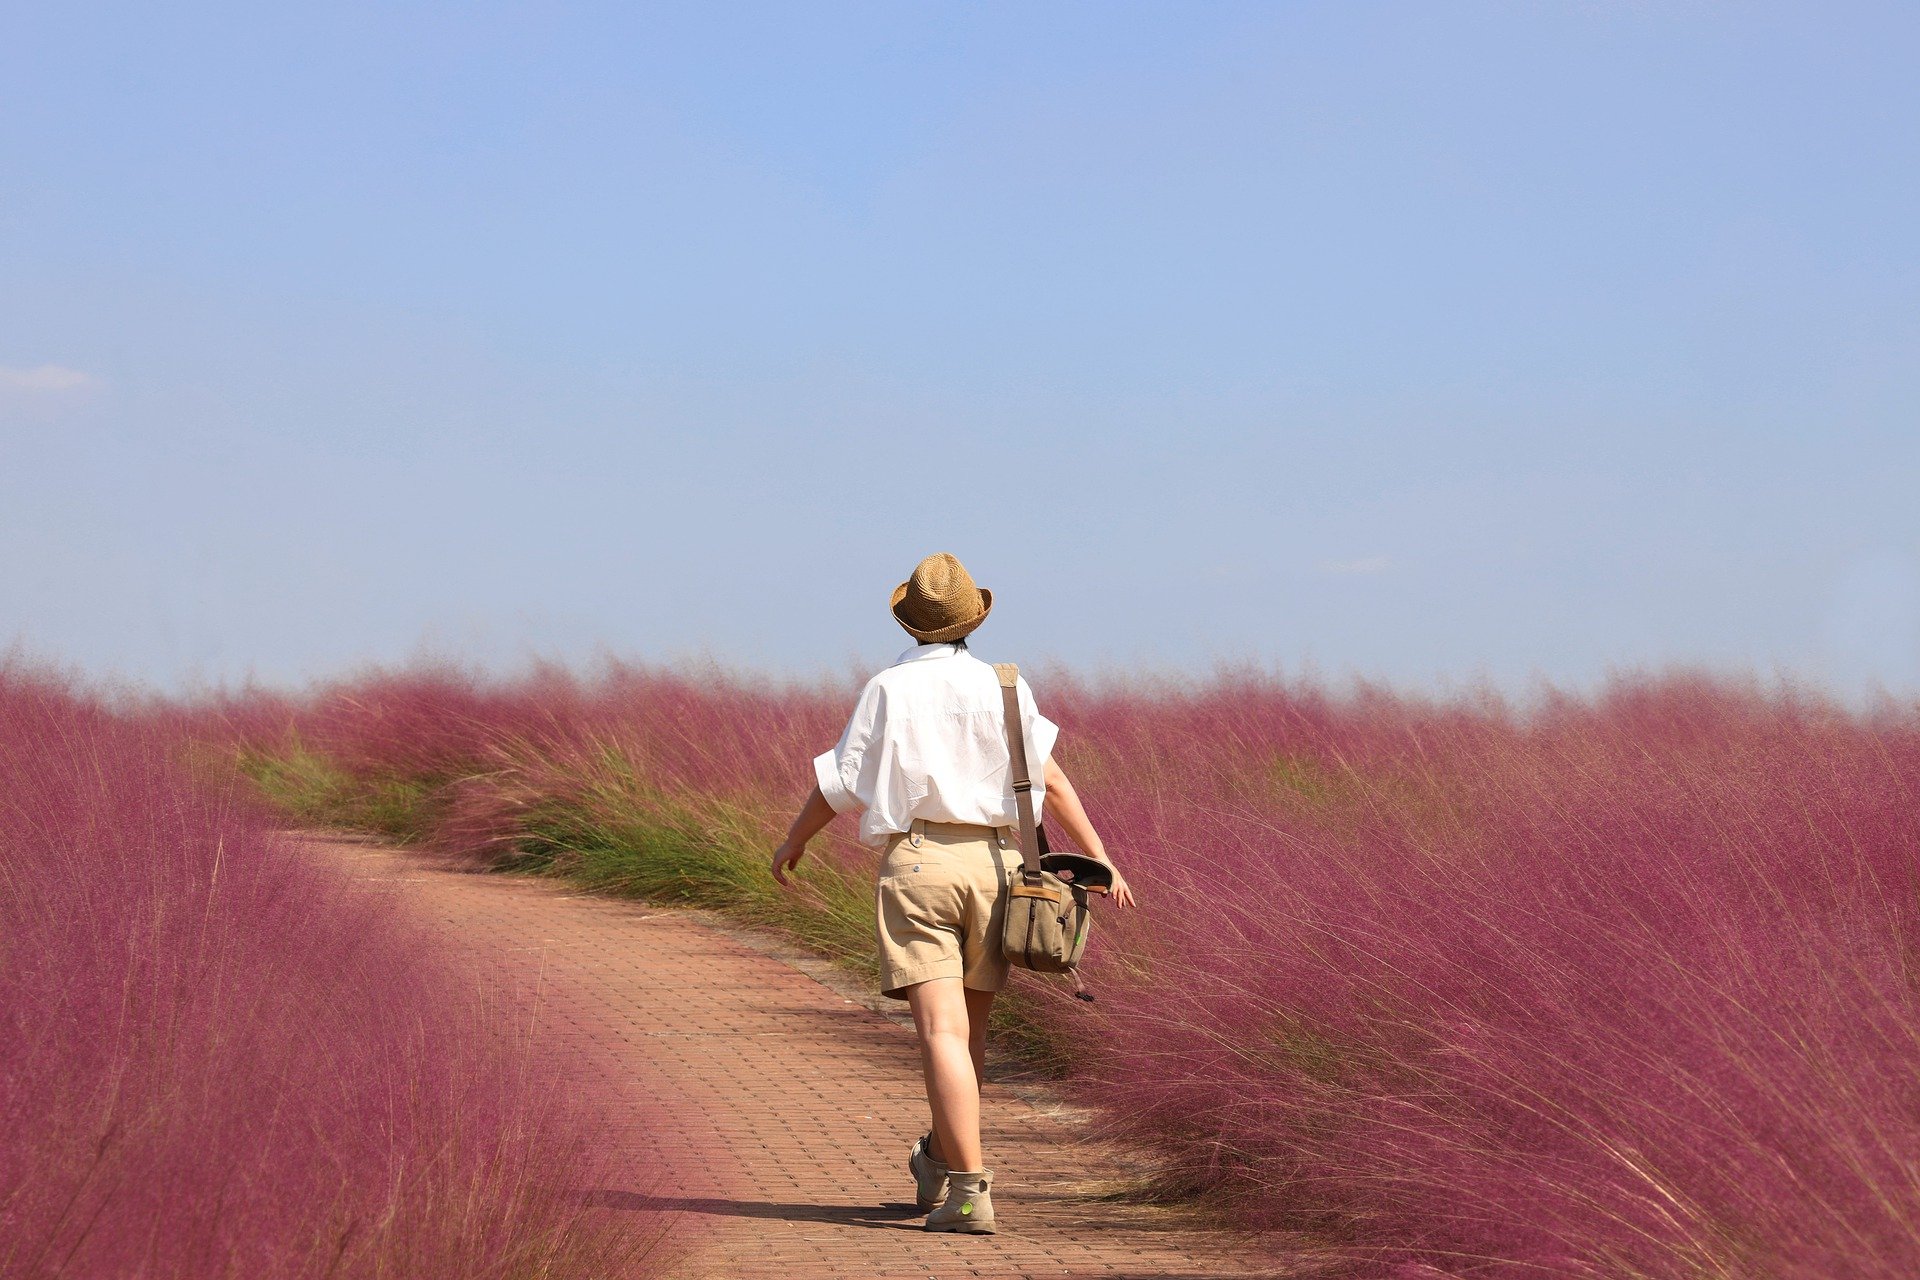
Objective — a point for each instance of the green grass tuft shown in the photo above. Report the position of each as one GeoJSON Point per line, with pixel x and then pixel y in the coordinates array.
{"type": "Point", "coordinates": [311, 788]}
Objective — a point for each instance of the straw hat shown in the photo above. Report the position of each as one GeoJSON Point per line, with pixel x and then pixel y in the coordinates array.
{"type": "Point", "coordinates": [939, 602]}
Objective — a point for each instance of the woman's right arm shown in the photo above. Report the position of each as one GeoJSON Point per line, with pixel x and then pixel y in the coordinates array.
{"type": "Point", "coordinates": [813, 817]}
{"type": "Point", "coordinates": [1062, 804]}
{"type": "Point", "coordinates": [840, 778]}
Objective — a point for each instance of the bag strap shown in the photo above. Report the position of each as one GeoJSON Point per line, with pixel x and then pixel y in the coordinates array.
{"type": "Point", "coordinates": [1009, 674]}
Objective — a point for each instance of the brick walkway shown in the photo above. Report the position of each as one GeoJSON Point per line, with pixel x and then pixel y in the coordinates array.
{"type": "Point", "coordinates": [798, 1101]}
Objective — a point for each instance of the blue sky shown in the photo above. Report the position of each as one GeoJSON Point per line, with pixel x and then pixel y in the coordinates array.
{"type": "Point", "coordinates": [1428, 342]}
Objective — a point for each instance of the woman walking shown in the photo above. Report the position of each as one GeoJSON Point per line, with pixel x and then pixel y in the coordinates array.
{"type": "Point", "coordinates": [924, 760]}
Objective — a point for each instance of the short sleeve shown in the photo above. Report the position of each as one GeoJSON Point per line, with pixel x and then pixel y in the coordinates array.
{"type": "Point", "coordinates": [1041, 733]}
{"type": "Point", "coordinates": [846, 773]}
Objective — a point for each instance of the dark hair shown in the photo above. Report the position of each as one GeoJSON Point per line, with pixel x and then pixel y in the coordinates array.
{"type": "Point", "coordinates": [959, 642]}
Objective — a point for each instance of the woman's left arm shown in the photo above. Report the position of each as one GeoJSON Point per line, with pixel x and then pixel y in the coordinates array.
{"type": "Point", "coordinates": [1062, 804]}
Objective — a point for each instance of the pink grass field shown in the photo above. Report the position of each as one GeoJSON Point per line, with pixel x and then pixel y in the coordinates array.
{"type": "Point", "coordinates": [219, 1058]}
{"type": "Point", "coordinates": [1612, 987]}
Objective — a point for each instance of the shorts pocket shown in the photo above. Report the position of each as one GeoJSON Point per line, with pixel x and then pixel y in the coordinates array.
{"type": "Point", "coordinates": [922, 890]}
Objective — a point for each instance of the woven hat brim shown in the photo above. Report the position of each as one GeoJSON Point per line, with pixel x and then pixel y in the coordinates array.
{"type": "Point", "coordinates": [952, 631]}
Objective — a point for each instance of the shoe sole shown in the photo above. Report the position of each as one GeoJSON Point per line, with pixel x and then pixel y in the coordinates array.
{"type": "Point", "coordinates": [964, 1229]}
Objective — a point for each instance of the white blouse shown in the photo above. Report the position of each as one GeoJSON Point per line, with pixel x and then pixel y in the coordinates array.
{"type": "Point", "coordinates": [928, 740]}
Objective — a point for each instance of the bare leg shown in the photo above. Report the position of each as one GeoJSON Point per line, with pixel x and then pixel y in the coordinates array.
{"type": "Point", "coordinates": [953, 1087]}
{"type": "Point", "coordinates": [979, 1005]}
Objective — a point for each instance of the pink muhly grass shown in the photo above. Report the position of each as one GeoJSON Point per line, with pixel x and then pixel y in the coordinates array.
{"type": "Point", "coordinates": [218, 1058]}
{"type": "Point", "coordinates": [1620, 990]}
{"type": "Point", "coordinates": [1608, 987]}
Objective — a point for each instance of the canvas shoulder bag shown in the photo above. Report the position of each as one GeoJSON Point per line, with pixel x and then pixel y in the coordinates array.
{"type": "Point", "coordinates": [1047, 917]}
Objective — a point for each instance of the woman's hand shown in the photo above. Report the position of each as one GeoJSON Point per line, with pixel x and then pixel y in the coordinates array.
{"type": "Point", "coordinates": [786, 858]}
{"type": "Point", "coordinates": [1120, 891]}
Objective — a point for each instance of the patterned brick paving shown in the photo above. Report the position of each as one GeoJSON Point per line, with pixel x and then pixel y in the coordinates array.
{"type": "Point", "coordinates": [796, 1101]}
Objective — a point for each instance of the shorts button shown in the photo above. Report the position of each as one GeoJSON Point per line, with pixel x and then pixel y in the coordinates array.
{"type": "Point", "coordinates": [916, 866]}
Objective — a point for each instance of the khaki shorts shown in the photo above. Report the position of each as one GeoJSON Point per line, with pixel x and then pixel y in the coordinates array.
{"type": "Point", "coordinates": [939, 905]}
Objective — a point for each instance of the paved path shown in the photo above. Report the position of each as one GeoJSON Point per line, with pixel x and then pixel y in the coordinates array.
{"type": "Point", "coordinates": [797, 1102]}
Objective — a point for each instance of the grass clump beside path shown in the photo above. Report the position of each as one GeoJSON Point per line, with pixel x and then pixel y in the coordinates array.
{"type": "Point", "coordinates": [607, 833]}
{"type": "Point", "coordinates": [220, 1057]}
{"type": "Point", "coordinates": [312, 790]}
